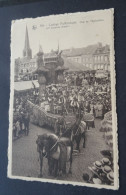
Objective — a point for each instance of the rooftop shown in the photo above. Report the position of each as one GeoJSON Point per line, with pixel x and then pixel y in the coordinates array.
{"type": "Point", "coordinates": [89, 50]}
{"type": "Point", "coordinates": [74, 66]}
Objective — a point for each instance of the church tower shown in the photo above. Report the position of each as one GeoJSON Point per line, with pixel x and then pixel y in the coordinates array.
{"type": "Point", "coordinates": [27, 52]}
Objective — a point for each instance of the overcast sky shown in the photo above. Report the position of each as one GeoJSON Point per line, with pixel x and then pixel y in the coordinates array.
{"type": "Point", "coordinates": [83, 29]}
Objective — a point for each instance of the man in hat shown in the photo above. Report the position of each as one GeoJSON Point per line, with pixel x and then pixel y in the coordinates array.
{"type": "Point", "coordinates": [105, 170]}
{"type": "Point", "coordinates": [60, 126]}
{"type": "Point", "coordinates": [95, 178]}
{"type": "Point", "coordinates": [98, 166]}
{"type": "Point", "coordinates": [26, 122]}
{"type": "Point", "coordinates": [21, 120]}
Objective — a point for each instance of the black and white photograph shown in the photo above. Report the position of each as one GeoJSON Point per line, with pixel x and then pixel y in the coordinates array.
{"type": "Point", "coordinates": [62, 116]}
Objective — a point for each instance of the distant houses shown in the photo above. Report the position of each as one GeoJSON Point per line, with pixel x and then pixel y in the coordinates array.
{"type": "Point", "coordinates": [94, 57]}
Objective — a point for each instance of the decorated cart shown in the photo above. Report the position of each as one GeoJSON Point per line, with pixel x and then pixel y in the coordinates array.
{"type": "Point", "coordinates": [40, 117]}
{"type": "Point", "coordinates": [89, 119]}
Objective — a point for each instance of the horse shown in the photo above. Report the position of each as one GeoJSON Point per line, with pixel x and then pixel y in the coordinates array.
{"type": "Point", "coordinates": [58, 151]}
{"type": "Point", "coordinates": [77, 132]}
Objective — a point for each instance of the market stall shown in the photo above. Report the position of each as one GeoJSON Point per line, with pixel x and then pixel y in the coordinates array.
{"type": "Point", "coordinates": [21, 87]}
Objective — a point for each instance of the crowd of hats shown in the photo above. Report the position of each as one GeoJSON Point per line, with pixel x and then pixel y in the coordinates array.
{"type": "Point", "coordinates": [101, 172]}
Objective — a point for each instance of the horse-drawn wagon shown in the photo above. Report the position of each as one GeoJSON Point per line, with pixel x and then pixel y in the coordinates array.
{"type": "Point", "coordinates": [41, 117]}
{"type": "Point", "coordinates": [89, 119]}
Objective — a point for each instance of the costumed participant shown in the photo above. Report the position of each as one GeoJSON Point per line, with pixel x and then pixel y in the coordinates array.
{"type": "Point", "coordinates": [60, 126]}
{"type": "Point", "coordinates": [17, 124]}
{"type": "Point", "coordinates": [87, 106]}
{"type": "Point", "coordinates": [83, 131]}
{"type": "Point", "coordinates": [100, 110]}
{"type": "Point", "coordinates": [26, 123]}
{"type": "Point", "coordinates": [96, 109]}
{"type": "Point", "coordinates": [14, 130]}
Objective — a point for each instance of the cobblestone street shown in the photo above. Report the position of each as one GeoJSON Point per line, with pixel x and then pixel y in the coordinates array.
{"type": "Point", "coordinates": [25, 156]}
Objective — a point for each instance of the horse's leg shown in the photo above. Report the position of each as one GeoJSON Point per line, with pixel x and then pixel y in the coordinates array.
{"type": "Point", "coordinates": [41, 163]}
{"type": "Point", "coordinates": [53, 166]}
{"type": "Point", "coordinates": [70, 169]}
{"type": "Point", "coordinates": [27, 128]}
{"type": "Point", "coordinates": [56, 168]}
{"type": "Point", "coordinates": [49, 164]}
{"type": "Point", "coordinates": [60, 167]}
{"type": "Point", "coordinates": [84, 138]}
{"type": "Point", "coordinates": [79, 142]}
{"type": "Point", "coordinates": [78, 139]}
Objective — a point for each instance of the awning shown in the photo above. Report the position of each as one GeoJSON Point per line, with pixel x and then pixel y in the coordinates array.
{"type": "Point", "coordinates": [25, 85]}
{"type": "Point", "coordinates": [71, 65]}
{"type": "Point", "coordinates": [101, 76]}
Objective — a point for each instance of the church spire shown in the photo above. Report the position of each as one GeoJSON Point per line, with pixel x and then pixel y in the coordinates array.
{"type": "Point", "coordinates": [27, 52]}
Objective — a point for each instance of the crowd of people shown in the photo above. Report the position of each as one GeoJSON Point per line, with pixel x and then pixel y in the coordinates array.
{"type": "Point", "coordinates": [21, 116]}
{"type": "Point", "coordinates": [77, 94]}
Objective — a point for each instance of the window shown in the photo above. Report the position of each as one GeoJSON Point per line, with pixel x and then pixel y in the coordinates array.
{"type": "Point", "coordinates": [95, 67]}
{"type": "Point", "coordinates": [101, 66]}
{"type": "Point", "coordinates": [101, 58]}
{"type": "Point", "coordinates": [90, 65]}
{"type": "Point", "coordinates": [98, 66]}
{"type": "Point", "coordinates": [105, 58]}
{"type": "Point", "coordinates": [98, 58]}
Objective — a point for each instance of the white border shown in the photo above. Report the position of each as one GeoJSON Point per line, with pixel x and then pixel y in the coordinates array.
{"type": "Point", "coordinates": [114, 116]}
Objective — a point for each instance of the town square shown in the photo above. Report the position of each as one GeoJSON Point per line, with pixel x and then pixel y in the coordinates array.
{"type": "Point", "coordinates": [62, 126]}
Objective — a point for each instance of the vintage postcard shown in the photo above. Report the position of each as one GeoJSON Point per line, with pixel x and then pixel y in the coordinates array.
{"type": "Point", "coordinates": [63, 122]}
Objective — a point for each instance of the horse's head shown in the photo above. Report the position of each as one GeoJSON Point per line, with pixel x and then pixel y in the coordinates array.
{"type": "Point", "coordinates": [45, 142]}
{"type": "Point", "coordinates": [41, 142]}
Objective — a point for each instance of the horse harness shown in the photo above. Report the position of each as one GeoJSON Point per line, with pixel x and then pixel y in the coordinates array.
{"type": "Point", "coordinates": [58, 141]}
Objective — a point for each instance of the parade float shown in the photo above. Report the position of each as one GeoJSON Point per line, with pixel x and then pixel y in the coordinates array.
{"type": "Point", "coordinates": [50, 71]}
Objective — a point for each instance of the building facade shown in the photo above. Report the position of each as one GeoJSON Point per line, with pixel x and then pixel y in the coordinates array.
{"type": "Point", "coordinates": [94, 57]}
{"type": "Point", "coordinates": [101, 58]}
{"type": "Point", "coordinates": [26, 66]}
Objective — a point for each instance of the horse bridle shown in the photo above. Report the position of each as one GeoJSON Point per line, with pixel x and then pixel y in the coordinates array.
{"type": "Point", "coordinates": [77, 131]}
{"type": "Point", "coordinates": [58, 140]}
